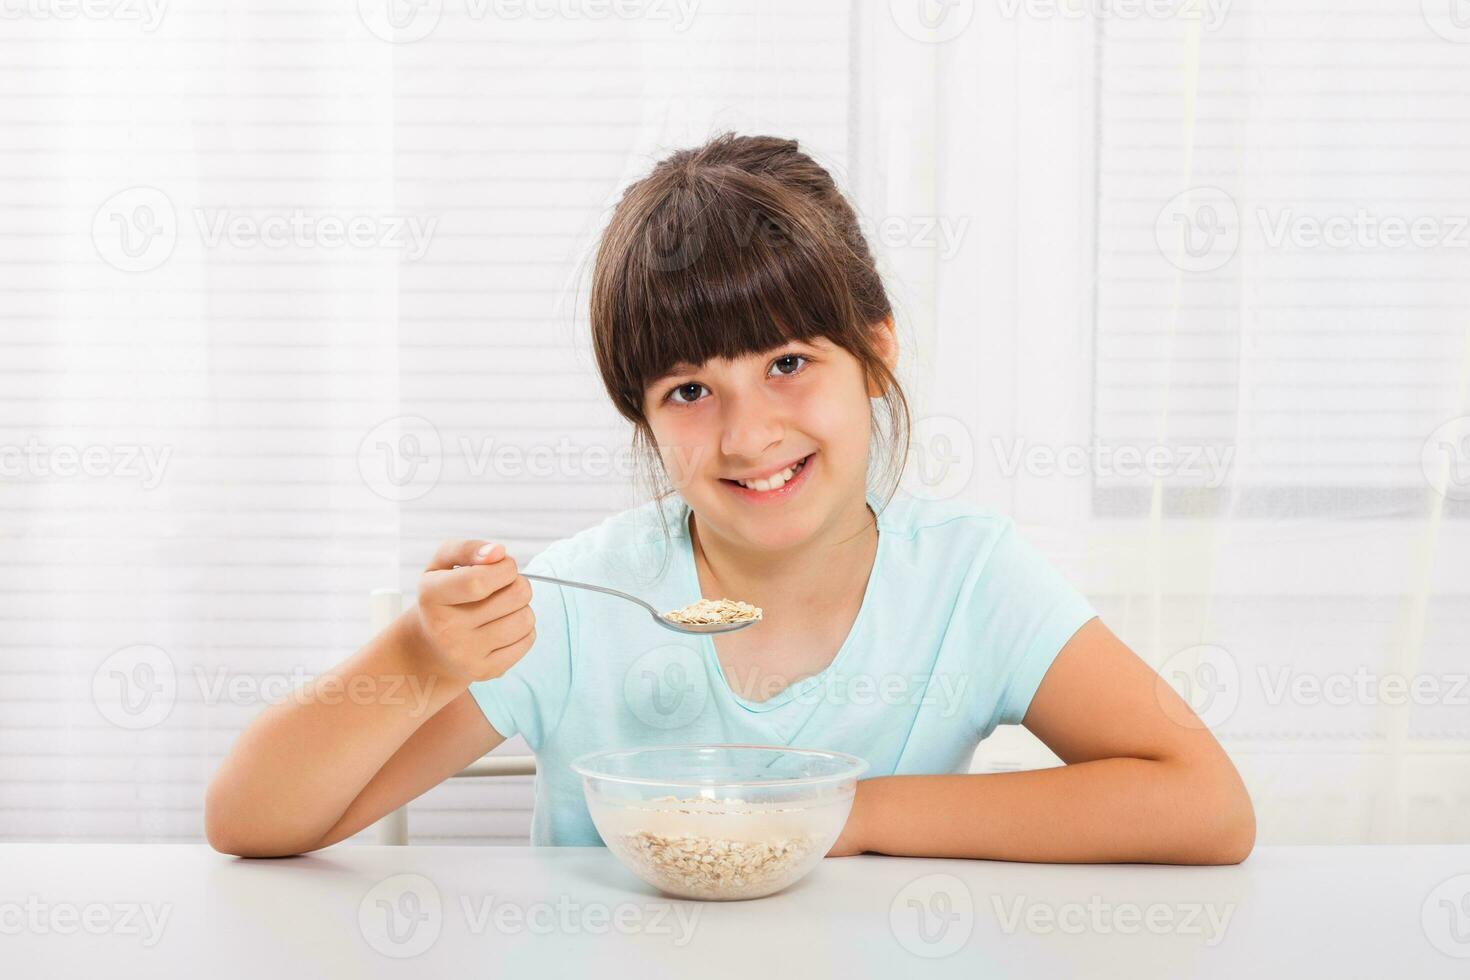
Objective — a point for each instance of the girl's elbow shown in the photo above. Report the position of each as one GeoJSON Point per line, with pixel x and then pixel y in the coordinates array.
{"type": "Point", "coordinates": [1230, 838]}
{"type": "Point", "coordinates": [229, 841]}
{"type": "Point", "coordinates": [1239, 836]}
{"type": "Point", "coordinates": [222, 831]}
{"type": "Point", "coordinates": [1222, 825]}
{"type": "Point", "coordinates": [228, 831]}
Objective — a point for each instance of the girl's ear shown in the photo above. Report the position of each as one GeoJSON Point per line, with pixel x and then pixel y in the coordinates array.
{"type": "Point", "coordinates": [885, 338]}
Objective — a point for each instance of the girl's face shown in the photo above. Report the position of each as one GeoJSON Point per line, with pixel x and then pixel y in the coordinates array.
{"type": "Point", "coordinates": [799, 412]}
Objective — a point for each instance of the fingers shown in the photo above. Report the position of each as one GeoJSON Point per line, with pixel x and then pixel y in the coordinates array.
{"type": "Point", "coordinates": [503, 601]}
{"type": "Point", "coordinates": [472, 583]}
{"type": "Point", "coordinates": [505, 630]}
{"type": "Point", "coordinates": [475, 608]}
{"type": "Point", "coordinates": [498, 661]}
{"type": "Point", "coordinates": [452, 553]}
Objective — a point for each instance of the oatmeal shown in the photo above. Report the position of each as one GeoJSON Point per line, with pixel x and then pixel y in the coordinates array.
{"type": "Point", "coordinates": [710, 611]}
{"type": "Point", "coordinates": [711, 866]}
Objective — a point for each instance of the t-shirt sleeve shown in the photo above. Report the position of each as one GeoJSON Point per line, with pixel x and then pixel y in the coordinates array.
{"type": "Point", "coordinates": [528, 699]}
{"type": "Point", "coordinates": [1022, 611]}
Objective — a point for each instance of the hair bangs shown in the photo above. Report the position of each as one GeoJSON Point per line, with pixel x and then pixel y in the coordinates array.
{"type": "Point", "coordinates": [723, 267]}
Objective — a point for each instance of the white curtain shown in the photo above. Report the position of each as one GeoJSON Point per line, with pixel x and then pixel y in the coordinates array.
{"type": "Point", "coordinates": [1207, 334]}
{"type": "Point", "coordinates": [291, 294]}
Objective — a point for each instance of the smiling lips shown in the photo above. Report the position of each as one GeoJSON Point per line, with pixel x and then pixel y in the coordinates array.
{"type": "Point", "coordinates": [776, 480]}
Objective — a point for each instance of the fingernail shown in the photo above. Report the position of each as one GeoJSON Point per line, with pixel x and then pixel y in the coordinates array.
{"type": "Point", "coordinates": [484, 551]}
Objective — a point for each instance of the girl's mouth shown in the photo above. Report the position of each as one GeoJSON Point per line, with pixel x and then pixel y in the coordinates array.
{"type": "Point", "coordinates": [770, 491]}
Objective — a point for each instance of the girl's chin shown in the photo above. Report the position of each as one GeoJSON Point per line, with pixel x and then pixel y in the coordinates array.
{"type": "Point", "coordinates": [765, 528]}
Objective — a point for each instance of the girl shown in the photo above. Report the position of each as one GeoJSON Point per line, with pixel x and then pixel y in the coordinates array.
{"type": "Point", "coordinates": [740, 326]}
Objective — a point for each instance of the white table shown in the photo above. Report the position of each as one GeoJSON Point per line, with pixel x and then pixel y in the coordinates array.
{"type": "Point", "coordinates": [118, 910]}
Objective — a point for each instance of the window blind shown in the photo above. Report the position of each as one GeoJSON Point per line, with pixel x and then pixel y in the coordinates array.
{"type": "Point", "coordinates": [256, 260]}
{"type": "Point", "coordinates": [1284, 227]}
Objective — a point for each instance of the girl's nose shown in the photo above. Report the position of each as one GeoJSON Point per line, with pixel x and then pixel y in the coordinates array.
{"type": "Point", "coordinates": [750, 430]}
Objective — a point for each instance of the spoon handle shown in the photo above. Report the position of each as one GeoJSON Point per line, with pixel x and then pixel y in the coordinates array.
{"type": "Point", "coordinates": [592, 588]}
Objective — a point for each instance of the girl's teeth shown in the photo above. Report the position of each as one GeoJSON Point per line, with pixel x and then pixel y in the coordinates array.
{"type": "Point", "coordinates": [774, 483]}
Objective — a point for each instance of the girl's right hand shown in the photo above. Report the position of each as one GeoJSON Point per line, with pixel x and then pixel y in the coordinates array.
{"type": "Point", "coordinates": [474, 611]}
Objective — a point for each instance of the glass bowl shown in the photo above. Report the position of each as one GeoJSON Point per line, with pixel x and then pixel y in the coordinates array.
{"type": "Point", "coordinates": [719, 822]}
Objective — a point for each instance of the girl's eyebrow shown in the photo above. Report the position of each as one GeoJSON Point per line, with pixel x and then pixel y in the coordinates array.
{"type": "Point", "coordinates": [681, 368]}
{"type": "Point", "coordinates": [684, 367]}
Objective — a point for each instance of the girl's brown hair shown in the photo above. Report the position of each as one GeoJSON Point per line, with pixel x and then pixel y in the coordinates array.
{"type": "Point", "coordinates": [728, 249]}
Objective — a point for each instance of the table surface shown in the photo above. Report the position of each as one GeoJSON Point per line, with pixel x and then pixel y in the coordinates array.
{"type": "Point", "coordinates": [162, 910]}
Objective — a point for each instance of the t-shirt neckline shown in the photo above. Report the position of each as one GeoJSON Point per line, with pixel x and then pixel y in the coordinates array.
{"type": "Point", "coordinates": [689, 575]}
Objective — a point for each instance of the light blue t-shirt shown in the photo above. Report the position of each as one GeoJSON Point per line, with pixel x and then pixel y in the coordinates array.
{"type": "Point", "coordinates": [961, 619]}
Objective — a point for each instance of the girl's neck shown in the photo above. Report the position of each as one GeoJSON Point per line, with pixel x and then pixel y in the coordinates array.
{"type": "Point", "coordinates": [821, 573]}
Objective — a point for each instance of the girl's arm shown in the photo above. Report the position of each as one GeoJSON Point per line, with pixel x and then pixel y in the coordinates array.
{"type": "Point", "coordinates": [388, 723]}
{"type": "Point", "coordinates": [1144, 780]}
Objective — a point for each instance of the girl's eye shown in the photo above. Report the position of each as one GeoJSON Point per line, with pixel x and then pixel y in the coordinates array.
{"type": "Point", "coordinates": [688, 393]}
{"type": "Point", "coordinates": [789, 359]}
{"type": "Point", "coordinates": [684, 388]}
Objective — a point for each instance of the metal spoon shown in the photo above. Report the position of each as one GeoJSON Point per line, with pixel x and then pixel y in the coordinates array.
{"type": "Point", "coordinates": [658, 617]}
